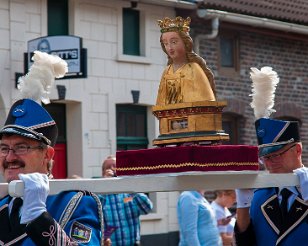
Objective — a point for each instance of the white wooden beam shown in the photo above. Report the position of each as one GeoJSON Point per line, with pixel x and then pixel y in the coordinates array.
{"type": "Point", "coordinates": [165, 182]}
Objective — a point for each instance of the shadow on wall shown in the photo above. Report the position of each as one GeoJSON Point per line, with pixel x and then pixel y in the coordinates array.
{"type": "Point", "coordinates": [166, 239]}
{"type": "Point", "coordinates": [2, 112]}
{"type": "Point", "coordinates": [2, 119]}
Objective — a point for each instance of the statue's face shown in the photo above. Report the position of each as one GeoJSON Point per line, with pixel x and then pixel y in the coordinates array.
{"type": "Point", "coordinates": [174, 46]}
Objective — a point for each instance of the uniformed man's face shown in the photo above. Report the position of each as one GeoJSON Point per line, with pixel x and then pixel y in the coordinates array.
{"type": "Point", "coordinates": [284, 160]}
{"type": "Point", "coordinates": [35, 159]}
{"type": "Point", "coordinates": [174, 46]}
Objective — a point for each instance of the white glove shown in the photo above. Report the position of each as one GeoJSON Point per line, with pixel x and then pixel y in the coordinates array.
{"type": "Point", "coordinates": [35, 195]}
{"type": "Point", "coordinates": [243, 197]}
{"type": "Point", "coordinates": [302, 173]}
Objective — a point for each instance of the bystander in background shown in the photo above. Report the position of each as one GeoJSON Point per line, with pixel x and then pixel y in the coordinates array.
{"type": "Point", "coordinates": [122, 211]}
{"type": "Point", "coordinates": [224, 200]}
{"type": "Point", "coordinates": [197, 221]}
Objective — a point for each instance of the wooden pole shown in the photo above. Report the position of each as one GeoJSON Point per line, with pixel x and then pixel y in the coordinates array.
{"type": "Point", "coordinates": [165, 182]}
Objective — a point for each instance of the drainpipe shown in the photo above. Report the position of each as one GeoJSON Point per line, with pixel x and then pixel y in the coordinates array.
{"type": "Point", "coordinates": [215, 27]}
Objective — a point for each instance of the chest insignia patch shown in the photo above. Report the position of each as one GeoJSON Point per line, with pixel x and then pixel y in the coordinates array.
{"type": "Point", "coordinates": [80, 232]}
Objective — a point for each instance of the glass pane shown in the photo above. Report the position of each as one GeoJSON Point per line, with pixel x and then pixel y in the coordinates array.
{"type": "Point", "coordinates": [121, 126]}
{"type": "Point", "coordinates": [140, 125]}
{"type": "Point", "coordinates": [57, 17]}
{"type": "Point", "coordinates": [179, 124]}
{"type": "Point", "coordinates": [131, 33]}
{"type": "Point", "coordinates": [227, 52]}
{"type": "Point", "coordinates": [131, 125]}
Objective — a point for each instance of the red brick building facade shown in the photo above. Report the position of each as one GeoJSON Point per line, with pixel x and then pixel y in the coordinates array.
{"type": "Point", "coordinates": [257, 45]}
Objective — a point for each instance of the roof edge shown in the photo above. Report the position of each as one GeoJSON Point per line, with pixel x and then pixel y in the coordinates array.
{"type": "Point", "coordinates": [171, 3]}
{"type": "Point", "coordinates": [255, 21]}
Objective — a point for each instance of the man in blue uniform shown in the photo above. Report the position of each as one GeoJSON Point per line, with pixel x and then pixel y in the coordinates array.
{"type": "Point", "coordinates": [277, 215]}
{"type": "Point", "coordinates": [265, 223]}
{"type": "Point", "coordinates": [26, 152]}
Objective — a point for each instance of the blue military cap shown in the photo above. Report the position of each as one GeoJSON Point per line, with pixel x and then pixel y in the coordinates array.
{"type": "Point", "coordinates": [29, 119]}
{"type": "Point", "coordinates": [274, 134]}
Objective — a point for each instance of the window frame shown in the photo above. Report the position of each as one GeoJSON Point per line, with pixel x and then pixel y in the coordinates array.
{"type": "Point", "coordinates": [229, 71]}
{"type": "Point", "coordinates": [144, 28]}
{"type": "Point", "coordinates": [128, 46]}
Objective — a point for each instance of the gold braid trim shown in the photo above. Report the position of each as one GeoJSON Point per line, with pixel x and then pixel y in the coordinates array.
{"type": "Point", "coordinates": [188, 164]}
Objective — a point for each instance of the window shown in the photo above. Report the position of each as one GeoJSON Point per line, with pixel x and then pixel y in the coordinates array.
{"type": "Point", "coordinates": [131, 127]}
{"type": "Point", "coordinates": [133, 35]}
{"type": "Point", "coordinates": [230, 124]}
{"type": "Point", "coordinates": [228, 54]}
{"type": "Point", "coordinates": [57, 14]}
{"type": "Point", "coordinates": [131, 32]}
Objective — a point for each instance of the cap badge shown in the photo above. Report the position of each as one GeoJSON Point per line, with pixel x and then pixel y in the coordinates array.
{"type": "Point", "coordinates": [261, 132]}
{"type": "Point", "coordinates": [19, 111]}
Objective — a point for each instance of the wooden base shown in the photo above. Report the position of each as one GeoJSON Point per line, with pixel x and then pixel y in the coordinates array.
{"type": "Point", "coordinates": [190, 122]}
{"type": "Point", "coordinates": [201, 138]}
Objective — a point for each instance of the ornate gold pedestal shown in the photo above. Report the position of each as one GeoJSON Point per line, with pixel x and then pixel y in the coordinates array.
{"type": "Point", "coordinates": [195, 122]}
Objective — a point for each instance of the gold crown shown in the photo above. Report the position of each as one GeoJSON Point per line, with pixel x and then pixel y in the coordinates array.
{"type": "Point", "coordinates": [172, 25]}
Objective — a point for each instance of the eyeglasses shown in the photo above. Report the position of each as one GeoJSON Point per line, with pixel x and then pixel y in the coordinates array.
{"type": "Point", "coordinates": [276, 157]}
{"type": "Point", "coordinates": [20, 149]}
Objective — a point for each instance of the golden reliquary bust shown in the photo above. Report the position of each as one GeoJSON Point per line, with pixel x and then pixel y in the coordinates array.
{"type": "Point", "coordinates": [186, 105]}
{"type": "Point", "coordinates": [186, 77]}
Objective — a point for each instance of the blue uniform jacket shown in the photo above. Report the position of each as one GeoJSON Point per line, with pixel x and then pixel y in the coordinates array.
{"type": "Point", "coordinates": [267, 227]}
{"type": "Point", "coordinates": [72, 218]}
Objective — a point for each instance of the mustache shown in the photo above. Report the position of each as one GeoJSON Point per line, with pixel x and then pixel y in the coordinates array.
{"type": "Point", "coordinates": [20, 163]}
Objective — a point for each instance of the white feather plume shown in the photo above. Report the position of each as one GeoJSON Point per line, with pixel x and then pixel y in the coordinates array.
{"type": "Point", "coordinates": [37, 83]}
{"type": "Point", "coordinates": [264, 84]}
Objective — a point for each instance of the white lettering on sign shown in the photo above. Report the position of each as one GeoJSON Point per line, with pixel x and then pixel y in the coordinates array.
{"type": "Point", "coordinates": [66, 54]}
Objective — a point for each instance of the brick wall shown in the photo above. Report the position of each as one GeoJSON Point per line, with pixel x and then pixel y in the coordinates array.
{"type": "Point", "coordinates": [286, 54]}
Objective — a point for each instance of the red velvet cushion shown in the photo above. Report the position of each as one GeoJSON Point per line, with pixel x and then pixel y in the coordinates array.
{"type": "Point", "coordinates": [187, 158]}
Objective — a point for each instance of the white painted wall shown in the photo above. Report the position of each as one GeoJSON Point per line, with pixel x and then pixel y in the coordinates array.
{"type": "Point", "coordinates": [91, 102]}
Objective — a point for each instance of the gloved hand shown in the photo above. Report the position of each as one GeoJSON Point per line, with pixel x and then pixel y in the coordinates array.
{"type": "Point", "coordinates": [35, 195]}
{"type": "Point", "coordinates": [243, 197]}
{"type": "Point", "coordinates": [302, 173]}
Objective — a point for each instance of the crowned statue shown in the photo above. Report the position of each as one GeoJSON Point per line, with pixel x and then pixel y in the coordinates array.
{"type": "Point", "coordinates": [186, 77]}
{"type": "Point", "coordinates": [186, 103]}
